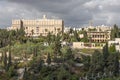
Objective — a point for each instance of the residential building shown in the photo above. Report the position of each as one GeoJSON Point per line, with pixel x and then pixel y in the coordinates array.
{"type": "Point", "coordinates": [67, 29]}
{"type": "Point", "coordinates": [116, 42]}
{"type": "Point", "coordinates": [98, 28]}
{"type": "Point", "coordinates": [81, 35]}
{"type": "Point", "coordinates": [38, 27]}
{"type": "Point", "coordinates": [103, 28]}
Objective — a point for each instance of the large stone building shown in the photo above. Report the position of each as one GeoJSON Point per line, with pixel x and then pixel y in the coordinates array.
{"type": "Point", "coordinates": [38, 27]}
{"type": "Point", "coordinates": [99, 36]}
{"type": "Point", "coordinates": [99, 33]}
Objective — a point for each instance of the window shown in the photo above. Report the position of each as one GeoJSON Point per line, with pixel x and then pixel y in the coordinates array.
{"type": "Point", "coordinates": [37, 29]}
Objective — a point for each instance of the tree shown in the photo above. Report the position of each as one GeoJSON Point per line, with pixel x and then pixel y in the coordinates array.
{"type": "Point", "coordinates": [25, 76]}
{"type": "Point", "coordinates": [76, 36]}
{"type": "Point", "coordinates": [35, 51]}
{"type": "Point", "coordinates": [68, 55]}
{"type": "Point", "coordinates": [9, 59]}
{"type": "Point", "coordinates": [48, 59]}
{"type": "Point", "coordinates": [85, 38]}
{"type": "Point", "coordinates": [116, 64]}
{"type": "Point", "coordinates": [21, 35]}
{"type": "Point", "coordinates": [96, 62]}
{"type": "Point", "coordinates": [5, 61]}
{"type": "Point", "coordinates": [57, 46]}
{"type": "Point", "coordinates": [113, 63]}
{"type": "Point", "coordinates": [112, 48]}
{"type": "Point", "coordinates": [36, 65]}
{"type": "Point", "coordinates": [115, 32]}
{"type": "Point", "coordinates": [66, 37]}
{"type": "Point", "coordinates": [71, 31]}
{"type": "Point", "coordinates": [63, 74]}
{"type": "Point", "coordinates": [4, 38]}
{"type": "Point", "coordinates": [11, 72]}
{"type": "Point", "coordinates": [105, 57]}
{"type": "Point", "coordinates": [86, 61]}
{"type": "Point", "coordinates": [49, 38]}
{"type": "Point", "coordinates": [21, 32]}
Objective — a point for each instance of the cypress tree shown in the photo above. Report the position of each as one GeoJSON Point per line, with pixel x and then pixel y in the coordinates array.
{"type": "Point", "coordinates": [2, 57]}
{"type": "Point", "coordinates": [49, 38]}
{"type": "Point", "coordinates": [105, 56]}
{"type": "Point", "coordinates": [35, 52]}
{"type": "Point", "coordinates": [9, 58]}
{"type": "Point", "coordinates": [57, 46]}
{"type": "Point", "coordinates": [5, 61]}
{"type": "Point", "coordinates": [48, 59]}
{"type": "Point", "coordinates": [25, 74]}
{"type": "Point", "coordinates": [116, 65]}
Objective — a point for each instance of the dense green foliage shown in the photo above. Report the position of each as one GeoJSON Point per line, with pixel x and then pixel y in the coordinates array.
{"type": "Point", "coordinates": [9, 37]}
{"type": "Point", "coordinates": [115, 32]}
{"type": "Point", "coordinates": [45, 58]}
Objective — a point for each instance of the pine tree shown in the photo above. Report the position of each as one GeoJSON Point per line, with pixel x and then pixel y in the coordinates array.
{"type": "Point", "coordinates": [105, 56]}
{"type": "Point", "coordinates": [35, 52]}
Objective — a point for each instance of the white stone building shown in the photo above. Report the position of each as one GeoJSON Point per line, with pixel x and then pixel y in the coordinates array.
{"type": "Point", "coordinates": [39, 26]}
{"type": "Point", "coordinates": [116, 42]}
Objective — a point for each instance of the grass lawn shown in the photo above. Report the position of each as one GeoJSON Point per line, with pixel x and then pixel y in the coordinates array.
{"type": "Point", "coordinates": [89, 51]}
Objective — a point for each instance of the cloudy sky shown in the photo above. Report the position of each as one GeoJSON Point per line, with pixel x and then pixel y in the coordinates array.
{"type": "Point", "coordinates": [74, 12]}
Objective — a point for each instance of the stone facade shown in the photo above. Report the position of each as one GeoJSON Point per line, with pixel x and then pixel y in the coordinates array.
{"type": "Point", "coordinates": [116, 42]}
{"type": "Point", "coordinates": [38, 27]}
{"type": "Point", "coordinates": [99, 36]}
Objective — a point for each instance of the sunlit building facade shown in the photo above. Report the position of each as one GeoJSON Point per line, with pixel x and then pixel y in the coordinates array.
{"type": "Point", "coordinates": [99, 36]}
{"type": "Point", "coordinates": [39, 27]}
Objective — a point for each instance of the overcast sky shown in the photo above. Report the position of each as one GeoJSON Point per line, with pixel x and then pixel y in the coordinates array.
{"type": "Point", "coordinates": [74, 12]}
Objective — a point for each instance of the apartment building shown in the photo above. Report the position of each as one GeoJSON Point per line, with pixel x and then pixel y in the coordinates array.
{"type": "Point", "coordinates": [98, 28]}
{"type": "Point", "coordinates": [39, 27]}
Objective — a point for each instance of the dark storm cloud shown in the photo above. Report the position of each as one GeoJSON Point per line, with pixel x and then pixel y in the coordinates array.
{"type": "Point", "coordinates": [57, 6]}
{"type": "Point", "coordinates": [73, 12]}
